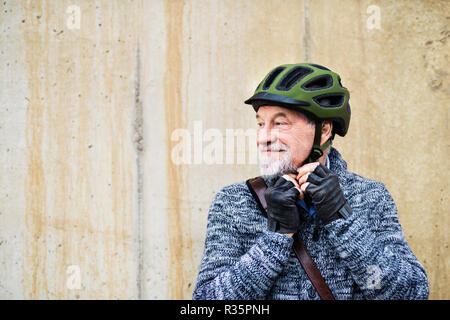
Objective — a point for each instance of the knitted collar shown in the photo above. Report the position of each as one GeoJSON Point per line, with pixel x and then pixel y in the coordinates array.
{"type": "Point", "coordinates": [337, 163]}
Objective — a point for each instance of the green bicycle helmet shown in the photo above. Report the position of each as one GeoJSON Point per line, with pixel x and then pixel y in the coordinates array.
{"type": "Point", "coordinates": [309, 88]}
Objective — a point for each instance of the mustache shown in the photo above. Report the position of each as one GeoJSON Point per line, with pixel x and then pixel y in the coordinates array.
{"type": "Point", "coordinates": [273, 146]}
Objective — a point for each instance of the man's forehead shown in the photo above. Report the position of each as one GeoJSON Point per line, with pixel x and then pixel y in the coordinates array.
{"type": "Point", "coordinates": [275, 111]}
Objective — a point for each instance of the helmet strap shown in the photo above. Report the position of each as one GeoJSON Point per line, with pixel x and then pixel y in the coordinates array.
{"type": "Point", "coordinates": [318, 150]}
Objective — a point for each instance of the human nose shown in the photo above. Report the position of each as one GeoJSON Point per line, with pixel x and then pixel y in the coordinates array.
{"type": "Point", "coordinates": [266, 135]}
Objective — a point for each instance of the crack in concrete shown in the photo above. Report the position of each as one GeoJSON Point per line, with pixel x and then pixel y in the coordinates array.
{"type": "Point", "coordinates": [139, 145]}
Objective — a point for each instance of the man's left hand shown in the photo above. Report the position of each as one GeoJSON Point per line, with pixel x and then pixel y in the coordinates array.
{"type": "Point", "coordinates": [322, 185]}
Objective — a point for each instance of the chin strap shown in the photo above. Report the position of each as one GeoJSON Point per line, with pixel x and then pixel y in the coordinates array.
{"type": "Point", "coordinates": [317, 150]}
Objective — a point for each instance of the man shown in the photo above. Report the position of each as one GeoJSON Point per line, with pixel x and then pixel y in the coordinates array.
{"type": "Point", "coordinates": [349, 224]}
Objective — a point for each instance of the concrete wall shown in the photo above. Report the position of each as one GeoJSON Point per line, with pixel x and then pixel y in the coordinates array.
{"type": "Point", "coordinates": [92, 204]}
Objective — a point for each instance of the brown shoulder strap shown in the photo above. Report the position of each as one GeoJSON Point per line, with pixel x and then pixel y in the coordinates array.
{"type": "Point", "coordinates": [311, 269]}
{"type": "Point", "coordinates": [257, 187]}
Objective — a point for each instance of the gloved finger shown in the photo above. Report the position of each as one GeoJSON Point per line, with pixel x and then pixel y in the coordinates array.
{"type": "Point", "coordinates": [282, 183]}
{"type": "Point", "coordinates": [297, 187]}
{"type": "Point", "coordinates": [321, 171]}
{"type": "Point", "coordinates": [300, 194]}
{"type": "Point", "coordinates": [316, 192]}
{"type": "Point", "coordinates": [294, 192]}
{"type": "Point", "coordinates": [314, 178]}
{"type": "Point", "coordinates": [290, 178]}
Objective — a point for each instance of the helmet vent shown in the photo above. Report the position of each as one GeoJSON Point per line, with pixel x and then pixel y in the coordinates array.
{"type": "Point", "coordinates": [293, 77]}
{"type": "Point", "coordinates": [319, 83]}
{"type": "Point", "coordinates": [272, 77]}
{"type": "Point", "coordinates": [318, 66]}
{"type": "Point", "coordinates": [330, 100]}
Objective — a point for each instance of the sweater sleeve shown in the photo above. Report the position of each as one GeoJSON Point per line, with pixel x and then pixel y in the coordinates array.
{"type": "Point", "coordinates": [226, 272]}
{"type": "Point", "coordinates": [373, 247]}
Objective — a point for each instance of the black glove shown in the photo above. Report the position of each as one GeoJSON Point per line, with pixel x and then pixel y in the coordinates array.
{"type": "Point", "coordinates": [325, 191]}
{"type": "Point", "coordinates": [282, 212]}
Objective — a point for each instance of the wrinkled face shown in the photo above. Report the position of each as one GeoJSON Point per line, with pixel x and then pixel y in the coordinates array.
{"type": "Point", "coordinates": [284, 140]}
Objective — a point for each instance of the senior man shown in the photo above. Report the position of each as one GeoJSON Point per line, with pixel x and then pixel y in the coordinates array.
{"type": "Point", "coordinates": [348, 224]}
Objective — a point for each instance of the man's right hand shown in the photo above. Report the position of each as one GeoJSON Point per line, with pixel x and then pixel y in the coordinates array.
{"type": "Point", "coordinates": [282, 212]}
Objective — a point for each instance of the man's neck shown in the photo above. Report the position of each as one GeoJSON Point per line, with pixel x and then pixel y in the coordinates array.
{"type": "Point", "coordinates": [323, 158]}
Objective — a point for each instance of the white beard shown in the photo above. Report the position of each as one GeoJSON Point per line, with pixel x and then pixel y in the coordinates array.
{"type": "Point", "coordinates": [278, 164]}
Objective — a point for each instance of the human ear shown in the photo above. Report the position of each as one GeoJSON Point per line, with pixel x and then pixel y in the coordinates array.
{"type": "Point", "coordinates": [327, 129]}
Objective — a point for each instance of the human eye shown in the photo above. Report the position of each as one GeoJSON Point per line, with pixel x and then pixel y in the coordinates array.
{"type": "Point", "coordinates": [280, 123]}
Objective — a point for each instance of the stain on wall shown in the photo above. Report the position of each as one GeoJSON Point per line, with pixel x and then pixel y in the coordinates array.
{"type": "Point", "coordinates": [79, 187]}
{"type": "Point", "coordinates": [174, 11]}
{"type": "Point", "coordinates": [35, 280]}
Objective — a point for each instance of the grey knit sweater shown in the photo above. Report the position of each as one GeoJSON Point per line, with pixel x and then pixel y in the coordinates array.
{"type": "Point", "coordinates": [363, 257]}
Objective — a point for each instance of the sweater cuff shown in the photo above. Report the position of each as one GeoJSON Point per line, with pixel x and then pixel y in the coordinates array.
{"type": "Point", "coordinates": [351, 239]}
{"type": "Point", "coordinates": [277, 245]}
